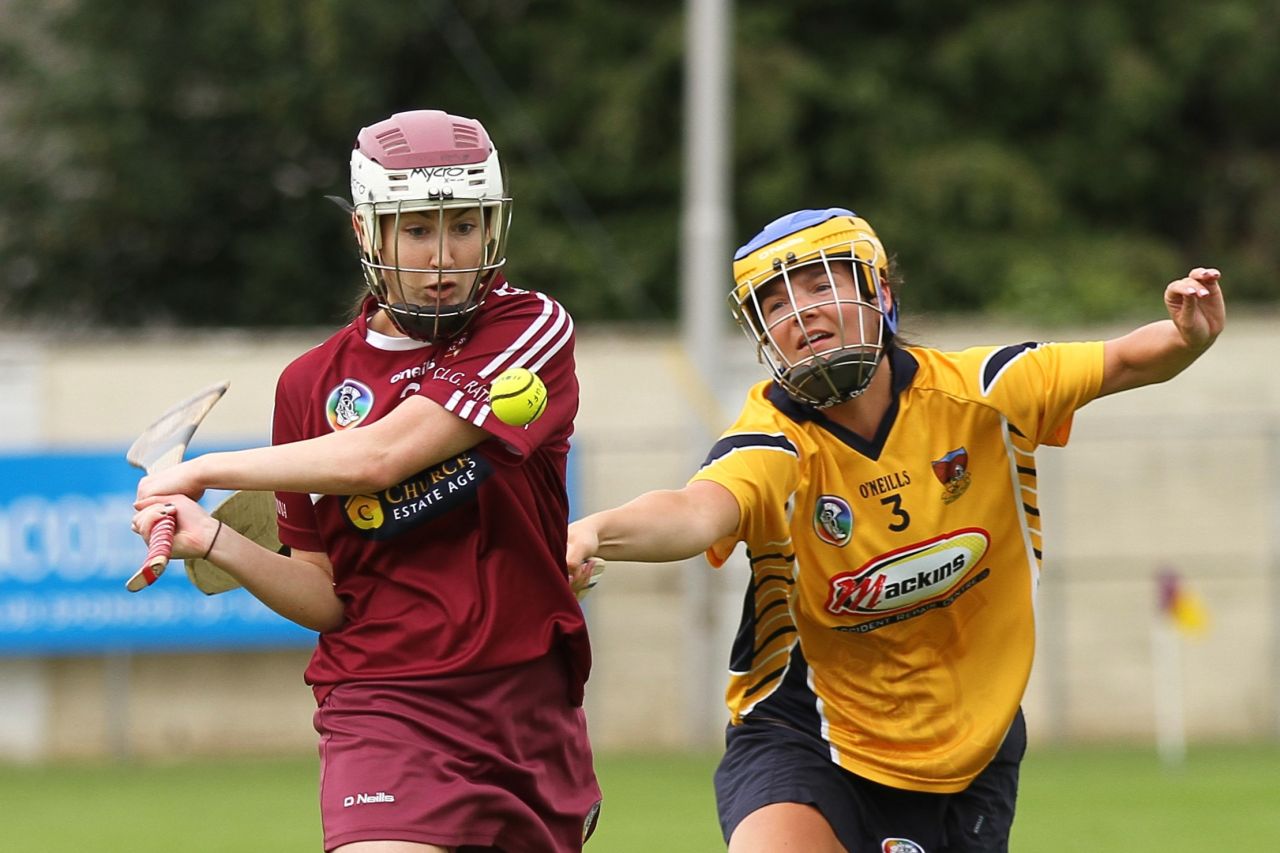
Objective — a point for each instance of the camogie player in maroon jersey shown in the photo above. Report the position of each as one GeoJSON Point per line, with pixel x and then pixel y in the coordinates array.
{"type": "Point", "coordinates": [426, 536]}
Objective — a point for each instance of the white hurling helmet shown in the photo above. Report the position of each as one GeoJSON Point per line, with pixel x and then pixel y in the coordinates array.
{"type": "Point", "coordinates": [427, 161]}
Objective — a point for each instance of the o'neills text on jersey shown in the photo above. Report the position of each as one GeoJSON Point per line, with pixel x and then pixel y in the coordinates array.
{"type": "Point", "coordinates": [363, 799]}
{"type": "Point", "coordinates": [887, 483]}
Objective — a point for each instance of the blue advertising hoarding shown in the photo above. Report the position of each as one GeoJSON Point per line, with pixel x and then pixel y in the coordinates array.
{"type": "Point", "coordinates": [66, 550]}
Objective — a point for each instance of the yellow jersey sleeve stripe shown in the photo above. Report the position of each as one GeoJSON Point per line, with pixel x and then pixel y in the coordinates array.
{"type": "Point", "coordinates": [731, 444]}
{"type": "Point", "coordinates": [998, 361]}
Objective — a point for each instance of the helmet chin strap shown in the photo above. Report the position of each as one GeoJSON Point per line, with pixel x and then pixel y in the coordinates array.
{"type": "Point", "coordinates": [426, 323]}
{"type": "Point", "coordinates": [828, 380]}
{"type": "Point", "coordinates": [436, 322]}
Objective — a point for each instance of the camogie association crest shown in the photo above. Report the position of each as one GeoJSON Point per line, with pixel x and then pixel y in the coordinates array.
{"type": "Point", "coordinates": [833, 520]}
{"type": "Point", "coordinates": [900, 845]}
{"type": "Point", "coordinates": [348, 404]}
{"type": "Point", "coordinates": [952, 470]}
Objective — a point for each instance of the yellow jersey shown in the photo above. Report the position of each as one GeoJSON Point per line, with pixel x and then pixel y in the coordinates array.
{"type": "Point", "coordinates": [891, 609]}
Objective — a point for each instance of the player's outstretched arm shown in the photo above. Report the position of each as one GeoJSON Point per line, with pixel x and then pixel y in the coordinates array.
{"type": "Point", "coordinates": [298, 587]}
{"type": "Point", "coordinates": [657, 527]}
{"type": "Point", "coordinates": [417, 433]}
{"type": "Point", "coordinates": [1160, 351]}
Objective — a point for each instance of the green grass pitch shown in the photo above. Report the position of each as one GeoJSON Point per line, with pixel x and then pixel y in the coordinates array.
{"type": "Point", "coordinates": [1094, 798]}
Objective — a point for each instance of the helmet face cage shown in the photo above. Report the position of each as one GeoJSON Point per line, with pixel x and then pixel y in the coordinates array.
{"type": "Point", "coordinates": [831, 370]}
{"type": "Point", "coordinates": [430, 163]}
{"type": "Point", "coordinates": [385, 274]}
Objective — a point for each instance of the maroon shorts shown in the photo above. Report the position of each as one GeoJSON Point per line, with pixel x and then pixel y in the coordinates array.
{"type": "Point", "coordinates": [495, 759]}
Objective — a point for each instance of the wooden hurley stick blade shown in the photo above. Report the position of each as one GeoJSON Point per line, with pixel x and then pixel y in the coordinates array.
{"type": "Point", "coordinates": [160, 446]}
{"type": "Point", "coordinates": [252, 515]}
{"type": "Point", "coordinates": [163, 443]}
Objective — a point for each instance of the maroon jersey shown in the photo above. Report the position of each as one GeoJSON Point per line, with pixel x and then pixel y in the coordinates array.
{"type": "Point", "coordinates": [460, 567]}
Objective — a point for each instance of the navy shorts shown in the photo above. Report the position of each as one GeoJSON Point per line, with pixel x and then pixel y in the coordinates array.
{"type": "Point", "coordinates": [489, 760]}
{"type": "Point", "coordinates": [767, 762]}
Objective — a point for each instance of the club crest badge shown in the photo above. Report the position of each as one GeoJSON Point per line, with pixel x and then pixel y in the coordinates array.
{"type": "Point", "coordinates": [900, 845]}
{"type": "Point", "coordinates": [455, 346]}
{"type": "Point", "coordinates": [348, 404]}
{"type": "Point", "coordinates": [952, 470]}
{"type": "Point", "coordinates": [833, 520]}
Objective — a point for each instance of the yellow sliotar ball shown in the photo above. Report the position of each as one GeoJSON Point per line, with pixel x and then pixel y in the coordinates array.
{"type": "Point", "coordinates": [517, 396]}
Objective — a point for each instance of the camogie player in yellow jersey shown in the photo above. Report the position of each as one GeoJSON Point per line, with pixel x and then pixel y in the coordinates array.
{"type": "Point", "coordinates": [886, 496]}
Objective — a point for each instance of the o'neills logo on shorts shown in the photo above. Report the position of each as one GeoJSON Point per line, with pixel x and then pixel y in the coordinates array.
{"type": "Point", "coordinates": [365, 799]}
{"type": "Point", "coordinates": [909, 577]}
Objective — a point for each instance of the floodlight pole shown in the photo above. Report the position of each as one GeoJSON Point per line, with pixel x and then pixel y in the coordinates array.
{"type": "Point", "coordinates": [1273, 561]}
{"type": "Point", "coordinates": [704, 278]}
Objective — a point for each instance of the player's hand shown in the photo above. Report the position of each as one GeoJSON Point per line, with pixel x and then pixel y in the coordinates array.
{"type": "Point", "coordinates": [1196, 307]}
{"type": "Point", "coordinates": [580, 561]}
{"type": "Point", "coordinates": [584, 578]}
{"type": "Point", "coordinates": [195, 527]}
{"type": "Point", "coordinates": [584, 542]}
{"type": "Point", "coordinates": [179, 479]}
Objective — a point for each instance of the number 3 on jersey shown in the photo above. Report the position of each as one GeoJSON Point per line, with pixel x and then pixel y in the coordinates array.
{"type": "Point", "coordinates": [902, 520]}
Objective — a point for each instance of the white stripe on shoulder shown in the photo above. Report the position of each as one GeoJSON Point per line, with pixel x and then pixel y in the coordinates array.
{"type": "Point", "coordinates": [517, 348]}
{"type": "Point", "coordinates": [557, 346]}
{"type": "Point", "coordinates": [561, 317]}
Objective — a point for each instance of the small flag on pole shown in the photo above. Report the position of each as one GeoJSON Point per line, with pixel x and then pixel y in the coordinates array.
{"type": "Point", "coordinates": [1180, 615]}
{"type": "Point", "coordinates": [1181, 606]}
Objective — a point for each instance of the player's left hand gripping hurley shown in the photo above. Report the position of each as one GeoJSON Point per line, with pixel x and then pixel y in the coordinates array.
{"type": "Point", "coordinates": [160, 446]}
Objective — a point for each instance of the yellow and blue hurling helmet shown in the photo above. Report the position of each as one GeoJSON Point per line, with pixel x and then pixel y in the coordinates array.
{"type": "Point", "coordinates": [824, 372]}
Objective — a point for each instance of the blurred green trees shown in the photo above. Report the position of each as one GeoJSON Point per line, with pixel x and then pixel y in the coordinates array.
{"type": "Point", "coordinates": [166, 162]}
